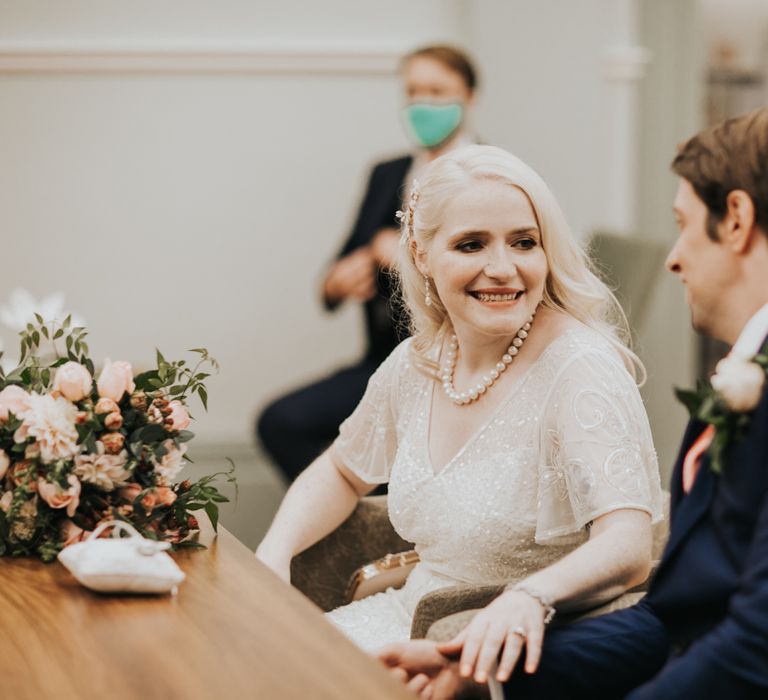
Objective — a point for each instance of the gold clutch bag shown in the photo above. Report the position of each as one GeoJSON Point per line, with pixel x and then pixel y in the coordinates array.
{"type": "Point", "coordinates": [375, 577]}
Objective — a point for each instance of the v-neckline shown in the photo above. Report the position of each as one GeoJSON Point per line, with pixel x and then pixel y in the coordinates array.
{"type": "Point", "coordinates": [512, 390]}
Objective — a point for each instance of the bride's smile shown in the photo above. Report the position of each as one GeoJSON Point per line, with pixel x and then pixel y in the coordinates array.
{"type": "Point", "coordinates": [487, 263]}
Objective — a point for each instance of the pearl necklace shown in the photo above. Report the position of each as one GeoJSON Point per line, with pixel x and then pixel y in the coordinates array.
{"type": "Point", "coordinates": [488, 380]}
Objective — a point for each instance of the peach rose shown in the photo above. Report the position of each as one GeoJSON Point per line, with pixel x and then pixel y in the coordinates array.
{"type": "Point", "coordinates": [56, 497]}
{"type": "Point", "coordinates": [13, 399]}
{"type": "Point", "coordinates": [5, 501]}
{"type": "Point", "coordinates": [5, 462]}
{"type": "Point", "coordinates": [73, 381]}
{"type": "Point", "coordinates": [115, 380]}
{"type": "Point", "coordinates": [105, 405]}
{"type": "Point", "coordinates": [71, 533]}
{"type": "Point", "coordinates": [129, 492]}
{"type": "Point", "coordinates": [148, 502]}
{"type": "Point", "coordinates": [113, 442]}
{"type": "Point", "coordinates": [165, 495]}
{"type": "Point", "coordinates": [178, 415]}
{"type": "Point", "coordinates": [114, 421]}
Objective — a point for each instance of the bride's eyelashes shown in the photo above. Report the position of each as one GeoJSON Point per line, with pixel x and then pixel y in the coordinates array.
{"type": "Point", "coordinates": [472, 245]}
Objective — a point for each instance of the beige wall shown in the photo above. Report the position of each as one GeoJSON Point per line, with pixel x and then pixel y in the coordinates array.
{"type": "Point", "coordinates": [186, 179]}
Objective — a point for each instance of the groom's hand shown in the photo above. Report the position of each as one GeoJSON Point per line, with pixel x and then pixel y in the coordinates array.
{"type": "Point", "coordinates": [427, 672]}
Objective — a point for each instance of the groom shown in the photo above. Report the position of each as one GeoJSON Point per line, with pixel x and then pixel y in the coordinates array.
{"type": "Point", "coordinates": [702, 630]}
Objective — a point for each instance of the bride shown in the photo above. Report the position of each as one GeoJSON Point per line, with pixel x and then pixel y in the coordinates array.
{"type": "Point", "coordinates": [509, 427]}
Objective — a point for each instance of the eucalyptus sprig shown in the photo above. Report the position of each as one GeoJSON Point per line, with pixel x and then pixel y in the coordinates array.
{"type": "Point", "coordinates": [35, 369]}
{"type": "Point", "coordinates": [202, 495]}
{"type": "Point", "coordinates": [179, 379]}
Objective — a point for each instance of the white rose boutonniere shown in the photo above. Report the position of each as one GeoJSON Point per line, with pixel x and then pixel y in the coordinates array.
{"type": "Point", "coordinates": [735, 391]}
{"type": "Point", "coordinates": [739, 382]}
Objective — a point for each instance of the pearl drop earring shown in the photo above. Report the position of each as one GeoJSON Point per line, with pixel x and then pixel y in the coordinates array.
{"type": "Point", "coordinates": [427, 292]}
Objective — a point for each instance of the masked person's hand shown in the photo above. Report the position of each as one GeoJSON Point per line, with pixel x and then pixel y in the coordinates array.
{"type": "Point", "coordinates": [352, 277]}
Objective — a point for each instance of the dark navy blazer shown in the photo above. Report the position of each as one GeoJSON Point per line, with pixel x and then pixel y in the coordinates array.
{"type": "Point", "coordinates": [383, 197]}
{"type": "Point", "coordinates": [711, 588]}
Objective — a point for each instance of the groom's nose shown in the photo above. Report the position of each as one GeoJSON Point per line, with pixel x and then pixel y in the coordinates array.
{"type": "Point", "coordinates": [672, 263]}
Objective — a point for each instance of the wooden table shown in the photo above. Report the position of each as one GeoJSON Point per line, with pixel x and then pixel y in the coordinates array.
{"type": "Point", "coordinates": [234, 630]}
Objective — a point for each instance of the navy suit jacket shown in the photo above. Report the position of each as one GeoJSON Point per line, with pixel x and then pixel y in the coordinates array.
{"type": "Point", "coordinates": [711, 587]}
{"type": "Point", "coordinates": [383, 197]}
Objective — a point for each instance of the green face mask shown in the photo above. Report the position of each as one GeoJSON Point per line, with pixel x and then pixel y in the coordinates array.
{"type": "Point", "coordinates": [430, 124]}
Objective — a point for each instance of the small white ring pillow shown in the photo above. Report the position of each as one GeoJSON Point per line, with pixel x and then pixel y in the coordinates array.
{"type": "Point", "coordinates": [117, 564]}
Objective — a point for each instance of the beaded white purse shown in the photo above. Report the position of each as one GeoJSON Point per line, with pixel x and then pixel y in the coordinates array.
{"type": "Point", "coordinates": [117, 564]}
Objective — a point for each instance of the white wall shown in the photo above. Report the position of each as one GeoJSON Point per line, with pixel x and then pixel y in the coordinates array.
{"type": "Point", "coordinates": [550, 98]}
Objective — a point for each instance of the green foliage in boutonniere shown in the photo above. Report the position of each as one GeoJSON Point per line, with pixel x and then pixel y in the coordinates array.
{"type": "Point", "coordinates": [726, 402]}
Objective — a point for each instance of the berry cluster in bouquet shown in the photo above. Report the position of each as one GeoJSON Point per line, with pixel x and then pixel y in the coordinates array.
{"type": "Point", "coordinates": [76, 450]}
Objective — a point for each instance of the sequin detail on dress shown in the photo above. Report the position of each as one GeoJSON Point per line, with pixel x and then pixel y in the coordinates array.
{"type": "Point", "coordinates": [573, 444]}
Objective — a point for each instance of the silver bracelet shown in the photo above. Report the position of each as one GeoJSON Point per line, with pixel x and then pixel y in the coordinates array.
{"type": "Point", "coordinates": [543, 600]}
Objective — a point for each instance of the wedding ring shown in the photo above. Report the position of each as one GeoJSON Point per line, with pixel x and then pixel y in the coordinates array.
{"type": "Point", "coordinates": [520, 632]}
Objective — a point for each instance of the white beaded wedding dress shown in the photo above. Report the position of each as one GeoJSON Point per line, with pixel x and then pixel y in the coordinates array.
{"type": "Point", "coordinates": [570, 443]}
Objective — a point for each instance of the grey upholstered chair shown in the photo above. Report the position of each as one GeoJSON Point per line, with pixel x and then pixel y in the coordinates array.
{"type": "Point", "coordinates": [323, 573]}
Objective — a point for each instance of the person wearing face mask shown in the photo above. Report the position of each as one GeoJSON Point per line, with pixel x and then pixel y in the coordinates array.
{"type": "Point", "coordinates": [440, 84]}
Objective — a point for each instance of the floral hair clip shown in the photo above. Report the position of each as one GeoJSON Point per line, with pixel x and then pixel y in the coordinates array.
{"type": "Point", "coordinates": [406, 217]}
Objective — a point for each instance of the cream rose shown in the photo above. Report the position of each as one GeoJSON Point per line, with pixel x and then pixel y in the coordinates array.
{"type": "Point", "coordinates": [5, 501]}
{"type": "Point", "coordinates": [13, 399]}
{"type": "Point", "coordinates": [5, 462]}
{"type": "Point", "coordinates": [178, 416]}
{"type": "Point", "coordinates": [56, 497]}
{"type": "Point", "coordinates": [51, 422]}
{"type": "Point", "coordinates": [73, 381]}
{"type": "Point", "coordinates": [740, 383]}
{"type": "Point", "coordinates": [115, 380]}
{"type": "Point", "coordinates": [171, 462]}
{"type": "Point", "coordinates": [103, 470]}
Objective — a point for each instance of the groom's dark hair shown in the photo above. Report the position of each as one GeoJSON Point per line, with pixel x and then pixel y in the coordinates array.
{"type": "Point", "coordinates": [732, 155]}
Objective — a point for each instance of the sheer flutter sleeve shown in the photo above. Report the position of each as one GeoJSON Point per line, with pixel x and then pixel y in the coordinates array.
{"type": "Point", "coordinates": [367, 441]}
{"type": "Point", "coordinates": [597, 450]}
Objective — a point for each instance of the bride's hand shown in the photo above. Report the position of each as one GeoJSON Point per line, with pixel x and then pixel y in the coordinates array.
{"type": "Point", "coordinates": [512, 620]}
{"type": "Point", "coordinates": [279, 563]}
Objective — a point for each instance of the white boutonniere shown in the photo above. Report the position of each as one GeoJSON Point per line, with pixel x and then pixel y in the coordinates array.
{"type": "Point", "coordinates": [739, 382]}
{"type": "Point", "coordinates": [726, 403]}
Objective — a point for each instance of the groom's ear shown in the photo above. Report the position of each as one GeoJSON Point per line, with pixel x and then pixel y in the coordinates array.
{"type": "Point", "coordinates": [738, 227]}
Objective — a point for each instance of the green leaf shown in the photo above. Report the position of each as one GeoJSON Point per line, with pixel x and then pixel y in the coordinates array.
{"type": "Point", "coordinates": [45, 331]}
{"type": "Point", "coordinates": [203, 394]}
{"type": "Point", "coordinates": [212, 510]}
{"type": "Point", "coordinates": [149, 433]}
{"type": "Point", "coordinates": [142, 380]}
{"type": "Point", "coordinates": [690, 399]}
{"type": "Point", "coordinates": [39, 319]}
{"type": "Point", "coordinates": [185, 436]}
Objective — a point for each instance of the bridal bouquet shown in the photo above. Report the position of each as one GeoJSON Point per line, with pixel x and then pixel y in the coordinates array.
{"type": "Point", "coordinates": [77, 450]}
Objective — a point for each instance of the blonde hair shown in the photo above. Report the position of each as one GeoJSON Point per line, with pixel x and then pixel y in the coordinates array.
{"type": "Point", "coordinates": [571, 285]}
